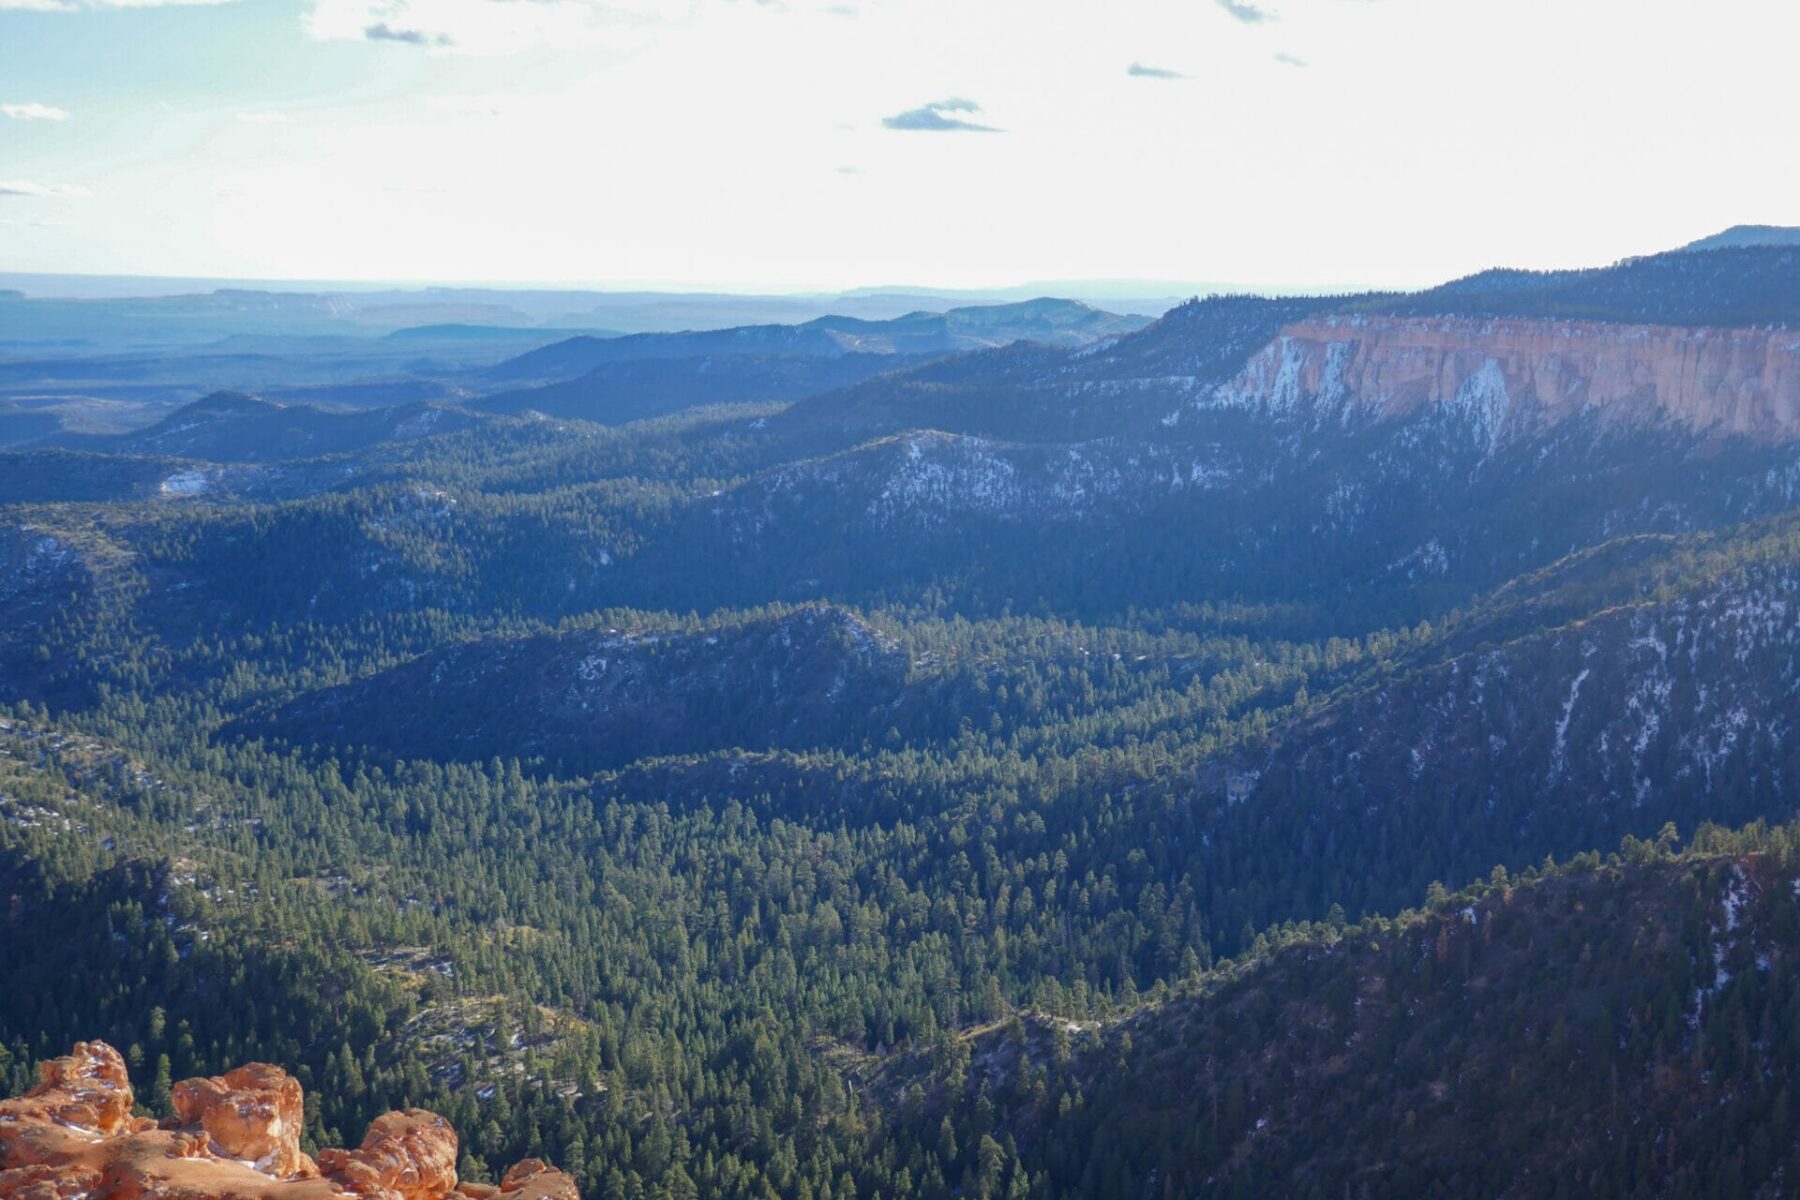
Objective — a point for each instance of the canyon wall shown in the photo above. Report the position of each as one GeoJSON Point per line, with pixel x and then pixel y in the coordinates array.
{"type": "Point", "coordinates": [73, 1137]}
{"type": "Point", "coordinates": [1514, 376]}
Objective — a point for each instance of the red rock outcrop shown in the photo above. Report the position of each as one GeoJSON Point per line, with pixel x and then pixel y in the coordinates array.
{"type": "Point", "coordinates": [72, 1137]}
{"type": "Point", "coordinates": [1513, 375]}
{"type": "Point", "coordinates": [252, 1114]}
{"type": "Point", "coordinates": [409, 1154]}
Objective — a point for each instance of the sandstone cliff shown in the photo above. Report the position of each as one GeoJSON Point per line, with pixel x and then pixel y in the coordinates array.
{"type": "Point", "coordinates": [73, 1137]}
{"type": "Point", "coordinates": [1507, 377]}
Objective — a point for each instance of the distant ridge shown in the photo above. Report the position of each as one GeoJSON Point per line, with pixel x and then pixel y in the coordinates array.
{"type": "Point", "coordinates": [486, 333]}
{"type": "Point", "coordinates": [1748, 235]}
{"type": "Point", "coordinates": [230, 426]}
{"type": "Point", "coordinates": [1045, 319]}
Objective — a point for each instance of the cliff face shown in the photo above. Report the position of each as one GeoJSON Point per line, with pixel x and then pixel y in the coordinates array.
{"type": "Point", "coordinates": [1507, 377]}
{"type": "Point", "coordinates": [72, 1137]}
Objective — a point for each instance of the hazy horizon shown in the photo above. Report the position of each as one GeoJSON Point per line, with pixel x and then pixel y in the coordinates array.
{"type": "Point", "coordinates": [125, 285]}
{"type": "Point", "coordinates": [106, 285]}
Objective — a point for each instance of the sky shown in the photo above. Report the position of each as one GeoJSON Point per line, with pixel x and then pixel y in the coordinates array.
{"type": "Point", "coordinates": [794, 145]}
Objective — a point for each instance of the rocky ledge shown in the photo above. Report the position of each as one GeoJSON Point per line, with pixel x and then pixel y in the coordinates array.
{"type": "Point", "coordinates": [73, 1137]}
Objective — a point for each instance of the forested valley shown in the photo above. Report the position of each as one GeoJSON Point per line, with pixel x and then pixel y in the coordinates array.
{"type": "Point", "coordinates": [1097, 761]}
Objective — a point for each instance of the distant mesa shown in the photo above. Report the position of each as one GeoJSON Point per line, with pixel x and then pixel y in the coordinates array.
{"type": "Point", "coordinates": [232, 1136]}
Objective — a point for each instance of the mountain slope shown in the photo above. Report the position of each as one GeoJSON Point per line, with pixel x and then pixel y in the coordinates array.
{"type": "Point", "coordinates": [603, 699]}
{"type": "Point", "coordinates": [1033, 392]}
{"type": "Point", "coordinates": [1618, 1029]}
{"type": "Point", "coordinates": [1732, 286]}
{"type": "Point", "coordinates": [1608, 718]}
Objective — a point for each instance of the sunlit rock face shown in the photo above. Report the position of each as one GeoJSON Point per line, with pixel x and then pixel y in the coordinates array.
{"type": "Point", "coordinates": [72, 1137]}
{"type": "Point", "coordinates": [252, 1114]}
{"type": "Point", "coordinates": [1510, 377]}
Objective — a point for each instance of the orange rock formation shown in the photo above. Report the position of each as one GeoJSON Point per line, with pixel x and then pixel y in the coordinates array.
{"type": "Point", "coordinates": [1511, 375]}
{"type": "Point", "coordinates": [72, 1137]}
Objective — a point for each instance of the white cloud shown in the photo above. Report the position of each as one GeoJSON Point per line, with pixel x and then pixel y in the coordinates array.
{"type": "Point", "coordinates": [33, 112]}
{"type": "Point", "coordinates": [262, 118]}
{"type": "Point", "coordinates": [940, 116]}
{"type": "Point", "coordinates": [50, 191]}
{"type": "Point", "coordinates": [1246, 12]}
{"type": "Point", "coordinates": [381, 31]}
